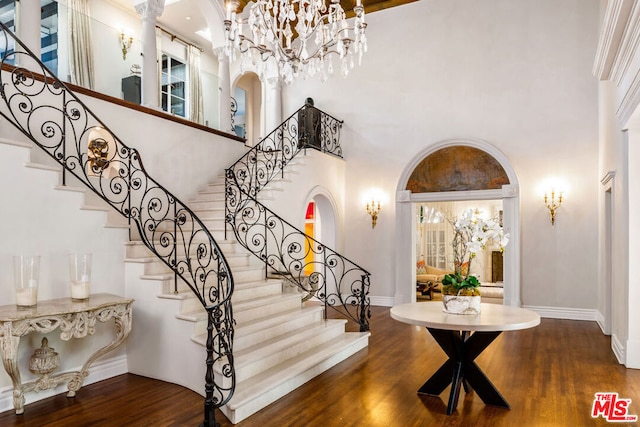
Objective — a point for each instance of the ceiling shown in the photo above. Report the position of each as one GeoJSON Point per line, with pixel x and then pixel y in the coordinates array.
{"type": "Point", "coordinates": [184, 18]}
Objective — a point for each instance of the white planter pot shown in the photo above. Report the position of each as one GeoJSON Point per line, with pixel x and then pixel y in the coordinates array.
{"type": "Point", "coordinates": [454, 304]}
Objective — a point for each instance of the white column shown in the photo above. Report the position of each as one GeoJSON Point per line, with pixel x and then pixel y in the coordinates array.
{"type": "Point", "coordinates": [405, 246]}
{"type": "Point", "coordinates": [272, 106]}
{"type": "Point", "coordinates": [224, 91]}
{"type": "Point", "coordinates": [63, 42]}
{"type": "Point", "coordinates": [149, 10]}
{"type": "Point", "coordinates": [28, 30]}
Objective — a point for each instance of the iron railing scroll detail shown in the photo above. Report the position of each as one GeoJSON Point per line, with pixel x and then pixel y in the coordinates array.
{"type": "Point", "coordinates": [46, 111]}
{"type": "Point", "coordinates": [317, 270]}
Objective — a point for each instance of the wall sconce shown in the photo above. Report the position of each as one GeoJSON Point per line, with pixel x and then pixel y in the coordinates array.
{"type": "Point", "coordinates": [125, 43]}
{"type": "Point", "coordinates": [98, 150]}
{"type": "Point", "coordinates": [373, 208]}
{"type": "Point", "coordinates": [553, 204]}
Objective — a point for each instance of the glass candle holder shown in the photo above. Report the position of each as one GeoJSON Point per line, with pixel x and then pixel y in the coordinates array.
{"type": "Point", "coordinates": [26, 272]}
{"type": "Point", "coordinates": [80, 270]}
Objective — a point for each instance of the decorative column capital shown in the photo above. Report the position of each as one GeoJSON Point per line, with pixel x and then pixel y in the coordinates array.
{"type": "Point", "coordinates": [220, 53]}
{"type": "Point", "coordinates": [149, 9]}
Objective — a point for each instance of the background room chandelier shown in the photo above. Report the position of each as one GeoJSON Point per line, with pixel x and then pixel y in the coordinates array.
{"type": "Point", "coordinates": [301, 36]}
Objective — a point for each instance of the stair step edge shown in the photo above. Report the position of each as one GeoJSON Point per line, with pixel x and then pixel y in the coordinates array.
{"type": "Point", "coordinates": [16, 143]}
{"type": "Point", "coordinates": [43, 167]}
{"type": "Point", "coordinates": [257, 325]}
{"type": "Point", "coordinates": [256, 283]}
{"type": "Point", "coordinates": [274, 345]}
{"type": "Point", "coordinates": [70, 188]}
{"type": "Point", "coordinates": [179, 296]}
{"type": "Point", "coordinates": [156, 276]}
{"type": "Point", "coordinates": [261, 301]}
{"type": "Point", "coordinates": [274, 376]}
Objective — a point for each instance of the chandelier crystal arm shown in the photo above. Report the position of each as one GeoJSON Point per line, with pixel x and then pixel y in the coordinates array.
{"type": "Point", "coordinates": [299, 37]}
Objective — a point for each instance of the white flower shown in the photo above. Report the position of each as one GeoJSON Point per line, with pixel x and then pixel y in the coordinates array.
{"type": "Point", "coordinates": [472, 235]}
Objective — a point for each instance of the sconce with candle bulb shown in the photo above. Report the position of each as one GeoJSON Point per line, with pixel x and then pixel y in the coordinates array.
{"type": "Point", "coordinates": [553, 204]}
{"type": "Point", "coordinates": [125, 43]}
{"type": "Point", "coordinates": [373, 208]}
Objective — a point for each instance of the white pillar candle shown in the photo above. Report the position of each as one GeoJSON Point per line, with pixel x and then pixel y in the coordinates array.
{"type": "Point", "coordinates": [80, 289]}
{"type": "Point", "coordinates": [27, 297]}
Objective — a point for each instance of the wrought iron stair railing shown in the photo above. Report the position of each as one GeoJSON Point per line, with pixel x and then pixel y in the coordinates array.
{"type": "Point", "coordinates": [47, 112]}
{"type": "Point", "coordinates": [316, 269]}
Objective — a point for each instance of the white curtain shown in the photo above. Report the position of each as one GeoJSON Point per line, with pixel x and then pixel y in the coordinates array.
{"type": "Point", "coordinates": [81, 45]}
{"type": "Point", "coordinates": [195, 85]}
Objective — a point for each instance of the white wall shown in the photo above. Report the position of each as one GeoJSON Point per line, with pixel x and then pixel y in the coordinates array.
{"type": "Point", "coordinates": [301, 184]}
{"type": "Point", "coordinates": [107, 22]}
{"type": "Point", "coordinates": [181, 158]}
{"type": "Point", "coordinates": [38, 220]}
{"type": "Point", "coordinates": [516, 74]}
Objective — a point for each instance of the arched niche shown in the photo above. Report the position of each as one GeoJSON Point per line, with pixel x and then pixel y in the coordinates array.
{"type": "Point", "coordinates": [454, 170]}
{"type": "Point", "coordinates": [253, 105]}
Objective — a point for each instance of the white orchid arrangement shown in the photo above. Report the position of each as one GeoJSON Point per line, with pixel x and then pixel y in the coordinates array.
{"type": "Point", "coordinates": [472, 234]}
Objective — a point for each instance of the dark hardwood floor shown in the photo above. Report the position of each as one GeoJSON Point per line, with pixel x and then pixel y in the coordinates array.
{"type": "Point", "coordinates": [548, 374]}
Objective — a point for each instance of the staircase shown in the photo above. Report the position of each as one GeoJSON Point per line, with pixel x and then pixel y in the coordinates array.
{"type": "Point", "coordinates": [279, 342]}
{"type": "Point", "coordinates": [220, 293]}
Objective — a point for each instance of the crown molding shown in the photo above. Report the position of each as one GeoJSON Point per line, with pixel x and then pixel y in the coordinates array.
{"type": "Point", "coordinates": [629, 102]}
{"type": "Point", "coordinates": [614, 27]}
{"type": "Point", "coordinates": [628, 46]}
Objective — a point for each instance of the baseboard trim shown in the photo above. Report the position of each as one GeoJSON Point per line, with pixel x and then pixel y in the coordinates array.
{"type": "Point", "coordinates": [618, 349]}
{"type": "Point", "coordinates": [565, 313]}
{"type": "Point", "coordinates": [382, 301]}
{"type": "Point", "coordinates": [632, 354]}
{"type": "Point", "coordinates": [99, 371]}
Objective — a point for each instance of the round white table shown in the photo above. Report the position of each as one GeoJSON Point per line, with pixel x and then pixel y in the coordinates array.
{"type": "Point", "coordinates": [463, 337]}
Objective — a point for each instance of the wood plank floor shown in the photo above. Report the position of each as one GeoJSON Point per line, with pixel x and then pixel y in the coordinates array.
{"type": "Point", "coordinates": [548, 374]}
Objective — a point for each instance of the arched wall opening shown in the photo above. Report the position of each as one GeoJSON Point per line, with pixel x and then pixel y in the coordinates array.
{"type": "Point", "coordinates": [491, 189]}
{"type": "Point", "coordinates": [324, 223]}
{"type": "Point", "coordinates": [249, 113]}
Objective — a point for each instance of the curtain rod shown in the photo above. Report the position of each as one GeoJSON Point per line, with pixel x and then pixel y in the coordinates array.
{"type": "Point", "coordinates": [175, 37]}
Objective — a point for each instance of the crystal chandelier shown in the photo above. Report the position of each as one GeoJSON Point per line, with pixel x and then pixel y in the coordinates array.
{"type": "Point", "coordinates": [301, 37]}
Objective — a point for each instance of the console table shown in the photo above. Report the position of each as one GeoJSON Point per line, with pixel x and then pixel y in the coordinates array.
{"type": "Point", "coordinates": [75, 319]}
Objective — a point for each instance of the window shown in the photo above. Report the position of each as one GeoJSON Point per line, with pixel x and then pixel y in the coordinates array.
{"type": "Point", "coordinates": [49, 35]}
{"type": "Point", "coordinates": [48, 32]}
{"type": "Point", "coordinates": [174, 76]}
{"type": "Point", "coordinates": [239, 113]}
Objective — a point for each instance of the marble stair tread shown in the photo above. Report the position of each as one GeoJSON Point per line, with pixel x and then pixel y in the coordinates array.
{"type": "Point", "coordinates": [255, 283]}
{"type": "Point", "coordinates": [138, 246]}
{"type": "Point", "coordinates": [185, 293]}
{"type": "Point", "coordinates": [152, 258]}
{"type": "Point", "coordinates": [250, 390]}
{"type": "Point", "coordinates": [263, 326]}
{"type": "Point", "coordinates": [200, 314]}
{"type": "Point", "coordinates": [285, 342]}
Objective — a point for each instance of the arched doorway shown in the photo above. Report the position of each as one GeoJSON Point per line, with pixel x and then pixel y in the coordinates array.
{"type": "Point", "coordinates": [320, 223]}
{"type": "Point", "coordinates": [435, 189]}
{"type": "Point", "coordinates": [248, 95]}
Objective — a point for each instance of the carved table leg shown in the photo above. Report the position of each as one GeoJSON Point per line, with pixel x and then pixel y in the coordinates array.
{"type": "Point", "coordinates": [9, 347]}
{"type": "Point", "coordinates": [122, 319]}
